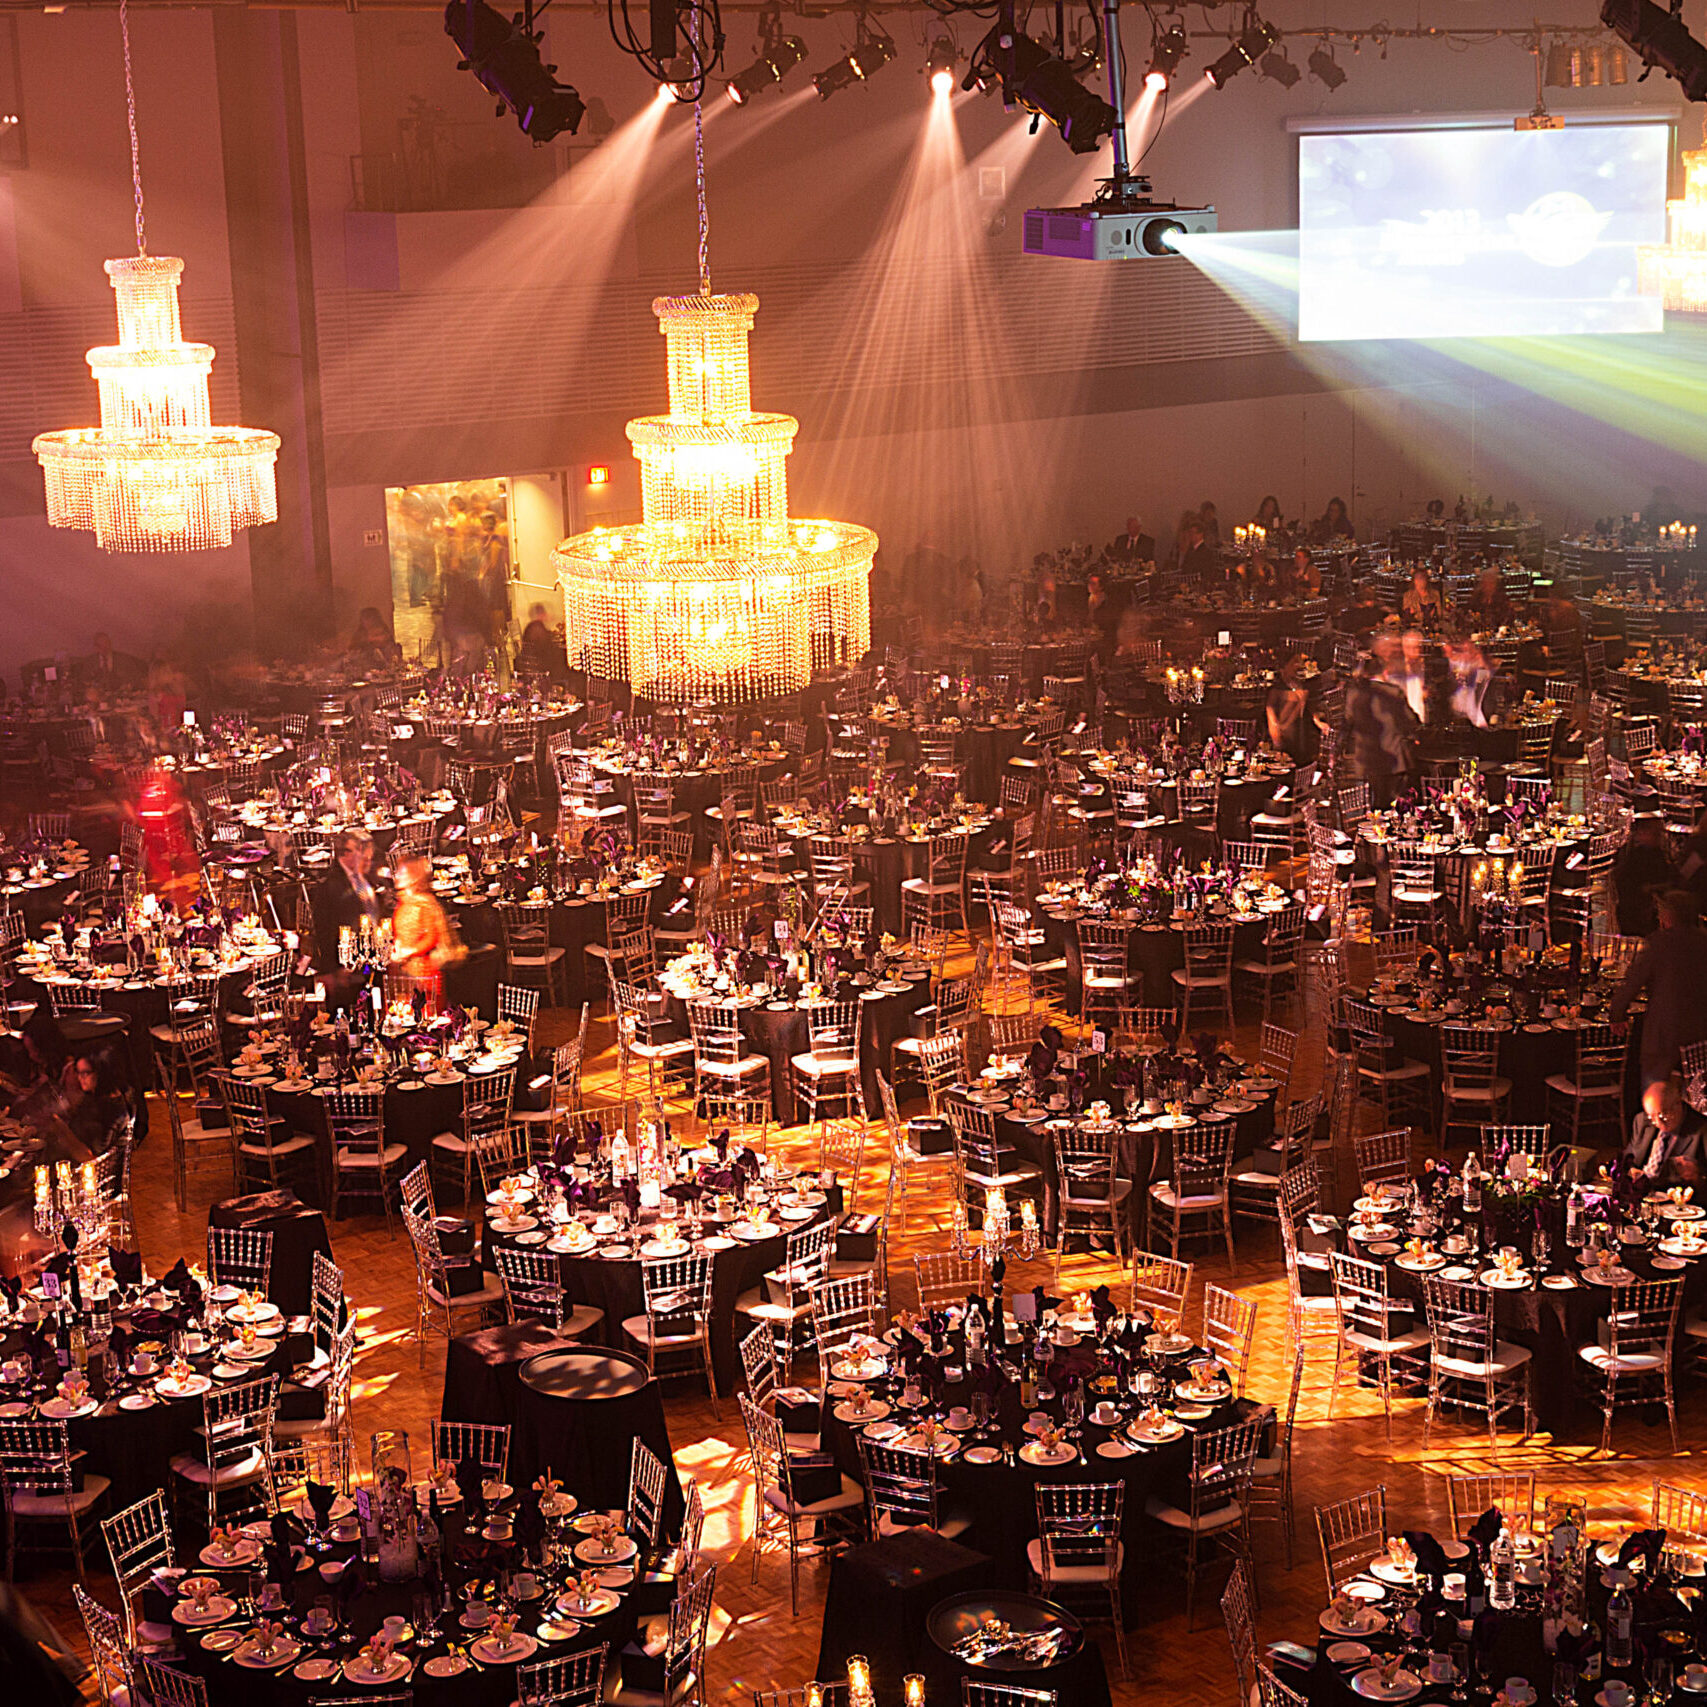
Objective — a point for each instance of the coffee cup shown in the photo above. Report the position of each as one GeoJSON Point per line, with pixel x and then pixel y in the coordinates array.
{"type": "Point", "coordinates": [141, 1364]}
{"type": "Point", "coordinates": [1105, 1414]}
{"type": "Point", "coordinates": [959, 1416]}
{"type": "Point", "coordinates": [1695, 1675]}
{"type": "Point", "coordinates": [394, 1627]}
{"type": "Point", "coordinates": [476, 1612]}
{"type": "Point", "coordinates": [13, 1369]}
{"type": "Point", "coordinates": [1616, 1691]}
{"type": "Point", "coordinates": [1519, 1692]}
{"type": "Point", "coordinates": [525, 1584]}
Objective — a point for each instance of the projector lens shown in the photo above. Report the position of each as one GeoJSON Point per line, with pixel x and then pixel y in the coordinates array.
{"type": "Point", "coordinates": [1160, 235]}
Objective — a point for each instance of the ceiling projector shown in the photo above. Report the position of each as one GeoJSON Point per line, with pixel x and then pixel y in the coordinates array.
{"type": "Point", "coordinates": [1123, 229]}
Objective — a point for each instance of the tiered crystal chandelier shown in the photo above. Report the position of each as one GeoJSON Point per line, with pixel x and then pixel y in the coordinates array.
{"type": "Point", "coordinates": [156, 475]}
{"type": "Point", "coordinates": [1676, 271]}
{"type": "Point", "coordinates": [717, 595]}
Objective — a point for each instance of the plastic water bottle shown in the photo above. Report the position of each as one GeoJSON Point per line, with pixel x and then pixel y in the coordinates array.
{"type": "Point", "coordinates": [1502, 1573]}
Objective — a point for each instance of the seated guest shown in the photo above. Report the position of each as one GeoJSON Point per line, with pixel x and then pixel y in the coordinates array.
{"type": "Point", "coordinates": [1422, 603]}
{"type": "Point", "coordinates": [1198, 560]}
{"type": "Point", "coordinates": [1489, 604]}
{"type": "Point", "coordinates": [1641, 872]}
{"type": "Point", "coordinates": [1563, 623]}
{"type": "Point", "coordinates": [1671, 969]}
{"type": "Point", "coordinates": [1306, 577]}
{"type": "Point", "coordinates": [1268, 514]}
{"type": "Point", "coordinates": [1211, 522]}
{"type": "Point", "coordinates": [540, 648]}
{"type": "Point", "coordinates": [1333, 523]}
{"type": "Point", "coordinates": [95, 1107]}
{"type": "Point", "coordinates": [1435, 510]}
{"type": "Point", "coordinates": [108, 671]}
{"type": "Point", "coordinates": [1665, 1136]}
{"type": "Point", "coordinates": [1133, 546]}
{"type": "Point", "coordinates": [372, 642]}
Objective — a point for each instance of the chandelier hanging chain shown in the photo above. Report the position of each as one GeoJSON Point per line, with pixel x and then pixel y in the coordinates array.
{"type": "Point", "coordinates": [699, 186]}
{"type": "Point", "coordinates": [130, 114]}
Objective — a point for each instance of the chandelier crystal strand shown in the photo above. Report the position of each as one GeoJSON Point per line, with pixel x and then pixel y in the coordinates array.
{"type": "Point", "coordinates": [156, 475]}
{"type": "Point", "coordinates": [717, 594]}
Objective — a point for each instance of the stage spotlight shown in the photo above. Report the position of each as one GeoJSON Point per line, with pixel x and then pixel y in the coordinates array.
{"type": "Point", "coordinates": [1034, 78]}
{"type": "Point", "coordinates": [504, 57]}
{"type": "Point", "coordinates": [1325, 68]}
{"type": "Point", "coordinates": [1171, 47]}
{"type": "Point", "coordinates": [1660, 38]}
{"type": "Point", "coordinates": [871, 53]}
{"type": "Point", "coordinates": [1277, 68]}
{"type": "Point", "coordinates": [939, 65]}
{"type": "Point", "coordinates": [1247, 50]}
{"type": "Point", "coordinates": [779, 57]}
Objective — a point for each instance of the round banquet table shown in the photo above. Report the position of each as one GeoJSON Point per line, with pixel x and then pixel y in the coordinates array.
{"type": "Point", "coordinates": [1240, 799]}
{"type": "Point", "coordinates": [276, 828]}
{"type": "Point", "coordinates": [134, 1449]}
{"type": "Point", "coordinates": [488, 1683]}
{"type": "Point", "coordinates": [999, 1500]}
{"type": "Point", "coordinates": [142, 1001]}
{"type": "Point", "coordinates": [694, 789]}
{"type": "Point", "coordinates": [1145, 1146]}
{"type": "Point", "coordinates": [777, 1030]}
{"type": "Point", "coordinates": [1551, 1324]}
{"type": "Point", "coordinates": [886, 862]}
{"type": "Point", "coordinates": [1078, 1676]}
{"type": "Point", "coordinates": [576, 921]}
{"type": "Point", "coordinates": [984, 748]}
{"type": "Point", "coordinates": [1464, 857]}
{"type": "Point", "coordinates": [40, 899]}
{"type": "Point", "coordinates": [613, 1284]}
{"type": "Point", "coordinates": [1153, 951]}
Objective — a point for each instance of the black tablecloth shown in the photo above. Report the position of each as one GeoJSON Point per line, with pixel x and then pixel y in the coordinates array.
{"type": "Point", "coordinates": [1153, 953]}
{"type": "Point", "coordinates": [614, 1286]}
{"type": "Point", "coordinates": [878, 1599]}
{"type": "Point", "coordinates": [1080, 1679]}
{"type": "Point", "coordinates": [583, 1441]}
{"type": "Point", "coordinates": [298, 1232]}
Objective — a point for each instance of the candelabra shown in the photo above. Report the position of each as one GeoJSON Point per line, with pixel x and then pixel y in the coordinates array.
{"type": "Point", "coordinates": [66, 1199]}
{"type": "Point", "coordinates": [996, 1238]}
{"type": "Point", "coordinates": [1185, 687]}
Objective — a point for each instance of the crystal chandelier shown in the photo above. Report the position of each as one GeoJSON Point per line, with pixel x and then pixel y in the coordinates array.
{"type": "Point", "coordinates": [156, 475]}
{"type": "Point", "coordinates": [716, 595]}
{"type": "Point", "coordinates": [1676, 271]}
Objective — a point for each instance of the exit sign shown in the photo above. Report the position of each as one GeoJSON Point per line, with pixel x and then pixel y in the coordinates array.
{"type": "Point", "coordinates": [373, 536]}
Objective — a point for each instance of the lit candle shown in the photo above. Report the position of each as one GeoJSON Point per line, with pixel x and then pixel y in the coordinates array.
{"type": "Point", "coordinates": [41, 1184]}
{"type": "Point", "coordinates": [814, 1695]}
{"type": "Point", "coordinates": [88, 1180]}
{"type": "Point", "coordinates": [1027, 1213]}
{"type": "Point", "coordinates": [62, 1177]}
{"type": "Point", "coordinates": [859, 1680]}
{"type": "Point", "coordinates": [914, 1687]}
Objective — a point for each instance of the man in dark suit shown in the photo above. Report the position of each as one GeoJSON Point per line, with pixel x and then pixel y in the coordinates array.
{"type": "Point", "coordinates": [110, 671]}
{"type": "Point", "coordinates": [1665, 1137]}
{"type": "Point", "coordinates": [1671, 969]}
{"type": "Point", "coordinates": [345, 898]}
{"type": "Point", "coordinates": [1133, 546]}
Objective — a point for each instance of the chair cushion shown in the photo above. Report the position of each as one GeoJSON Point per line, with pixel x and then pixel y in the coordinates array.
{"type": "Point", "coordinates": [1412, 1340]}
{"type": "Point", "coordinates": [817, 1064]}
{"type": "Point", "coordinates": [851, 1494]}
{"type": "Point", "coordinates": [1496, 1092]}
{"type": "Point", "coordinates": [1163, 1192]}
{"type": "Point", "coordinates": [1631, 1363]}
{"type": "Point", "coordinates": [245, 1469]}
{"type": "Point", "coordinates": [1223, 1517]}
{"type": "Point", "coordinates": [61, 1505]}
{"type": "Point", "coordinates": [1181, 976]}
{"type": "Point", "coordinates": [394, 1153]}
{"type": "Point", "coordinates": [639, 1329]}
{"type": "Point", "coordinates": [1567, 1086]}
{"type": "Point", "coordinates": [733, 1069]}
{"type": "Point", "coordinates": [281, 1146]}
{"type": "Point", "coordinates": [450, 1141]}
{"type": "Point", "coordinates": [1071, 1573]}
{"type": "Point", "coordinates": [1122, 1191]}
{"type": "Point", "coordinates": [490, 1293]}
{"type": "Point", "coordinates": [1506, 1359]}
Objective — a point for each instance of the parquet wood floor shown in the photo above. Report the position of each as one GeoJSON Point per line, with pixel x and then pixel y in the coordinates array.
{"type": "Point", "coordinates": [757, 1641]}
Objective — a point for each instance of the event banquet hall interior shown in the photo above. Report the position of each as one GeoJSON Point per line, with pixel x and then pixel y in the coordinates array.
{"type": "Point", "coordinates": [1035, 1036]}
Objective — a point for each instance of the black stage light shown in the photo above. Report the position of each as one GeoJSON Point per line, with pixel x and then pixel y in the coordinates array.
{"type": "Point", "coordinates": [1036, 79]}
{"type": "Point", "coordinates": [1247, 50]}
{"type": "Point", "coordinates": [869, 55]}
{"type": "Point", "coordinates": [939, 65]}
{"type": "Point", "coordinates": [1326, 69]}
{"type": "Point", "coordinates": [778, 59]}
{"type": "Point", "coordinates": [1277, 68]}
{"type": "Point", "coordinates": [1660, 38]}
{"type": "Point", "coordinates": [1171, 47]}
{"type": "Point", "coordinates": [505, 59]}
